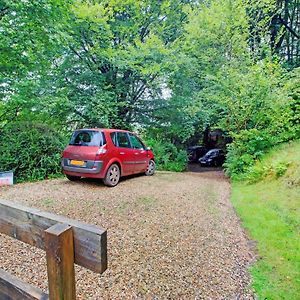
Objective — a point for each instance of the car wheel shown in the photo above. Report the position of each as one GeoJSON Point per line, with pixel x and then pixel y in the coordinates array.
{"type": "Point", "coordinates": [151, 168]}
{"type": "Point", "coordinates": [73, 178]}
{"type": "Point", "coordinates": [112, 176]}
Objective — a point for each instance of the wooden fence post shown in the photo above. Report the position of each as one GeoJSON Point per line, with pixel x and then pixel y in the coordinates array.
{"type": "Point", "coordinates": [59, 248]}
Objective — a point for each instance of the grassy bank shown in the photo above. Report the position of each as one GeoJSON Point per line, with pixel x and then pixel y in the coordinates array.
{"type": "Point", "coordinates": [269, 206]}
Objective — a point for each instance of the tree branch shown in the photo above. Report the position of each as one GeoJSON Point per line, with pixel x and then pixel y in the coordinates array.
{"type": "Point", "coordinates": [80, 57]}
{"type": "Point", "coordinates": [288, 27]}
{"type": "Point", "coordinates": [142, 88]}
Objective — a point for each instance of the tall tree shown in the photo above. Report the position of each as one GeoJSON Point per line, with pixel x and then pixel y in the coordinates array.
{"type": "Point", "coordinates": [118, 57]}
{"type": "Point", "coordinates": [28, 43]}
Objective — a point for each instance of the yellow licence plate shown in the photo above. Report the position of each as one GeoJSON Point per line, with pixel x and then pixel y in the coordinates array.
{"type": "Point", "coordinates": [77, 162]}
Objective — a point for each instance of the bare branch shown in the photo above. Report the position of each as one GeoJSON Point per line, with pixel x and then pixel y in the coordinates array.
{"type": "Point", "coordinates": [288, 27]}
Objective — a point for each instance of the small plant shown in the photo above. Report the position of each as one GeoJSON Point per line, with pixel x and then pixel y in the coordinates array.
{"type": "Point", "coordinates": [280, 169]}
{"type": "Point", "coordinates": [255, 173]}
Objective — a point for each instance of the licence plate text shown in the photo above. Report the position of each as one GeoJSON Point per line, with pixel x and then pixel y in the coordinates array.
{"type": "Point", "coordinates": [77, 163]}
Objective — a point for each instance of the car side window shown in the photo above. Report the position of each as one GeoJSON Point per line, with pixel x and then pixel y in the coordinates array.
{"type": "Point", "coordinates": [135, 142]}
{"type": "Point", "coordinates": [113, 136]}
{"type": "Point", "coordinates": [123, 140]}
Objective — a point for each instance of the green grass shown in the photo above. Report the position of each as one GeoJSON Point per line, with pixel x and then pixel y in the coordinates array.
{"type": "Point", "coordinates": [270, 211]}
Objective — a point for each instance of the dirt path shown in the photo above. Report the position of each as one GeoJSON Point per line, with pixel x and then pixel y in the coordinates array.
{"type": "Point", "coordinates": [170, 236]}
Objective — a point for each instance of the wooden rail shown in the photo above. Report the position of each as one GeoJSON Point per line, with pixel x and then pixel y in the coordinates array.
{"type": "Point", "coordinates": [65, 241]}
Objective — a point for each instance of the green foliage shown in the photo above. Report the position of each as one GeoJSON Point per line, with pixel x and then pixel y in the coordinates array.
{"type": "Point", "coordinates": [32, 150]}
{"type": "Point", "coordinates": [281, 161]}
{"type": "Point", "coordinates": [276, 121]}
{"type": "Point", "coordinates": [256, 101]}
{"type": "Point", "coordinates": [248, 146]}
{"type": "Point", "coordinates": [269, 209]}
{"type": "Point", "coordinates": [169, 68]}
{"type": "Point", "coordinates": [167, 156]}
{"type": "Point", "coordinates": [117, 55]}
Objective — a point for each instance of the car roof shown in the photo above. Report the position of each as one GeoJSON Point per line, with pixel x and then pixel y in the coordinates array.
{"type": "Point", "coordinates": [195, 147]}
{"type": "Point", "coordinates": [103, 129]}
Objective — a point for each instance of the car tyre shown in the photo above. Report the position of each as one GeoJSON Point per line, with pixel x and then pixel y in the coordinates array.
{"type": "Point", "coordinates": [150, 168]}
{"type": "Point", "coordinates": [112, 176]}
{"type": "Point", "coordinates": [73, 178]}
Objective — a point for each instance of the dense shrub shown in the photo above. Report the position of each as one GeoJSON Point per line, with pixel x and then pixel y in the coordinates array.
{"type": "Point", "coordinates": [279, 123]}
{"type": "Point", "coordinates": [280, 161]}
{"type": "Point", "coordinates": [32, 150]}
{"type": "Point", "coordinates": [247, 147]}
{"type": "Point", "coordinates": [167, 156]}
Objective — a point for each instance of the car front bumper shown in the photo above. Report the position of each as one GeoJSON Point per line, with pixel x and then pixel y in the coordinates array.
{"type": "Point", "coordinates": [205, 162]}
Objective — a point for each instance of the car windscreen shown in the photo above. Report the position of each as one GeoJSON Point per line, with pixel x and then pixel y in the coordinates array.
{"type": "Point", "coordinates": [210, 153]}
{"type": "Point", "coordinates": [87, 138]}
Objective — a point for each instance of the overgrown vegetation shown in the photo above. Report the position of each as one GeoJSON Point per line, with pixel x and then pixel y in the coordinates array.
{"type": "Point", "coordinates": [168, 69]}
{"type": "Point", "coordinates": [31, 150]}
{"type": "Point", "coordinates": [269, 209]}
{"type": "Point", "coordinates": [167, 156]}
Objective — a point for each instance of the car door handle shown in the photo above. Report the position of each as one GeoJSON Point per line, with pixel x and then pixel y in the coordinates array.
{"type": "Point", "coordinates": [122, 153]}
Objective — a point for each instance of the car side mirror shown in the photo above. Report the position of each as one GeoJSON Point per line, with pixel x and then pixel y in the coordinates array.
{"type": "Point", "coordinates": [148, 148]}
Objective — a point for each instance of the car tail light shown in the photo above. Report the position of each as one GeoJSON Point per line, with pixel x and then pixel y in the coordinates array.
{"type": "Point", "coordinates": [101, 150]}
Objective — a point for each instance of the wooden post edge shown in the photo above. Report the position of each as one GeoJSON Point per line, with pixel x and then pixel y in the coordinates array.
{"type": "Point", "coordinates": [60, 262]}
{"type": "Point", "coordinates": [13, 288]}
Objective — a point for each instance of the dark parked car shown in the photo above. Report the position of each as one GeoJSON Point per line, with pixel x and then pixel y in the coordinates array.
{"type": "Point", "coordinates": [195, 152]}
{"type": "Point", "coordinates": [214, 157]}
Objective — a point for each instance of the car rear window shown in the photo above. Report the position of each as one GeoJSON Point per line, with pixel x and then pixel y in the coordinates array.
{"type": "Point", "coordinates": [87, 138]}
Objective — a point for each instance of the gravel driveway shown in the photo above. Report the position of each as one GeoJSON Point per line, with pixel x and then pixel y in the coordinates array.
{"type": "Point", "coordinates": [170, 236]}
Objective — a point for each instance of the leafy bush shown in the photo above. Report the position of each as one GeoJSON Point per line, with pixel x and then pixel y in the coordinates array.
{"type": "Point", "coordinates": [261, 171]}
{"type": "Point", "coordinates": [248, 146]}
{"type": "Point", "coordinates": [281, 161]}
{"type": "Point", "coordinates": [167, 156]}
{"type": "Point", "coordinates": [32, 150]}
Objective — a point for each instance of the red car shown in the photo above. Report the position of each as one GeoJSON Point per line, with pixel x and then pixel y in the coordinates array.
{"type": "Point", "coordinates": [107, 154]}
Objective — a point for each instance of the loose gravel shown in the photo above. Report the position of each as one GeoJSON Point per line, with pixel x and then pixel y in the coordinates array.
{"type": "Point", "coordinates": [170, 236]}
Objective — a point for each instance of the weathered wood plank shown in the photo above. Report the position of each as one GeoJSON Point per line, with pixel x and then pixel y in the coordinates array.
{"type": "Point", "coordinates": [60, 262]}
{"type": "Point", "coordinates": [28, 225]}
{"type": "Point", "coordinates": [11, 288]}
